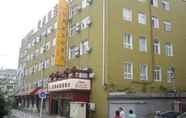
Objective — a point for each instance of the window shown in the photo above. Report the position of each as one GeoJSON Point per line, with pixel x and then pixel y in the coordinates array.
{"type": "Point", "coordinates": [52, 60]}
{"type": "Point", "coordinates": [141, 18]}
{"type": "Point", "coordinates": [168, 49]}
{"type": "Point", "coordinates": [84, 47]}
{"type": "Point", "coordinates": [143, 72]}
{"type": "Point", "coordinates": [141, 0]}
{"type": "Point", "coordinates": [54, 42]}
{"type": "Point", "coordinates": [170, 73]}
{"type": "Point", "coordinates": [142, 44]}
{"type": "Point", "coordinates": [167, 26]}
{"type": "Point", "coordinates": [157, 73]}
{"type": "Point", "coordinates": [155, 22]}
{"type": "Point", "coordinates": [128, 71]}
{"type": "Point", "coordinates": [165, 5]}
{"type": "Point", "coordinates": [55, 25]}
{"type": "Point", "coordinates": [156, 46]}
{"type": "Point", "coordinates": [85, 22]}
{"type": "Point", "coordinates": [47, 46]}
{"type": "Point", "coordinates": [127, 40]}
{"type": "Point", "coordinates": [127, 14]}
{"type": "Point", "coordinates": [154, 3]}
{"type": "Point", "coordinates": [73, 52]}
{"type": "Point", "coordinates": [85, 3]}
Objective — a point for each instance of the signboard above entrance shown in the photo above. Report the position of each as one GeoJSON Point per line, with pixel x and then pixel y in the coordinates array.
{"type": "Point", "coordinates": [69, 84]}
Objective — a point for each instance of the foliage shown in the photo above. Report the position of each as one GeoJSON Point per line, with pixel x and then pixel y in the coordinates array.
{"type": "Point", "coordinates": [3, 106]}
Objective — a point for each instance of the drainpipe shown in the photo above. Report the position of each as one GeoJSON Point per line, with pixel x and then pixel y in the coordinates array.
{"type": "Point", "coordinates": [103, 44]}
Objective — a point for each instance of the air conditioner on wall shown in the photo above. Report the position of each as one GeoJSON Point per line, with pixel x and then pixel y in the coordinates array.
{"type": "Point", "coordinates": [91, 106]}
{"type": "Point", "coordinates": [92, 75]}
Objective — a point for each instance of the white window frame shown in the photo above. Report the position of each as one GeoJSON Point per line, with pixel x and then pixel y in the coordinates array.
{"type": "Point", "coordinates": [170, 73]}
{"type": "Point", "coordinates": [165, 4]}
{"type": "Point", "coordinates": [127, 14]}
{"type": "Point", "coordinates": [142, 47]}
{"type": "Point", "coordinates": [155, 3]}
{"type": "Point", "coordinates": [128, 71]}
{"type": "Point", "coordinates": [156, 46]}
{"type": "Point", "coordinates": [84, 47]}
{"type": "Point", "coordinates": [167, 26]}
{"type": "Point", "coordinates": [168, 49]}
{"type": "Point", "coordinates": [73, 50]}
{"type": "Point", "coordinates": [155, 22]}
{"type": "Point", "coordinates": [142, 18]}
{"type": "Point", "coordinates": [143, 71]}
{"type": "Point", "coordinates": [128, 40]}
{"type": "Point", "coordinates": [157, 74]}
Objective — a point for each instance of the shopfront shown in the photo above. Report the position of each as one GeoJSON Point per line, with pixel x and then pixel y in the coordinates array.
{"type": "Point", "coordinates": [69, 93]}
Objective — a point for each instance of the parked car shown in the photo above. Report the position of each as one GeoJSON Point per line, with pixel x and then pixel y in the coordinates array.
{"type": "Point", "coordinates": [169, 114]}
{"type": "Point", "coordinates": [183, 115]}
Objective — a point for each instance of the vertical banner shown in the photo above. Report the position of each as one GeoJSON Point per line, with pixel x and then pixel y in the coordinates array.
{"type": "Point", "coordinates": [61, 33]}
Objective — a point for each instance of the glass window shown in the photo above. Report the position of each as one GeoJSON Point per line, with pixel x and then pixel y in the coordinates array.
{"type": "Point", "coordinates": [141, 18]}
{"type": "Point", "coordinates": [157, 73]}
{"type": "Point", "coordinates": [167, 26]}
{"type": "Point", "coordinates": [84, 47]}
{"type": "Point", "coordinates": [170, 73]}
{"type": "Point", "coordinates": [128, 71]}
{"type": "Point", "coordinates": [156, 46]}
{"type": "Point", "coordinates": [143, 72]}
{"type": "Point", "coordinates": [127, 14]}
{"type": "Point", "coordinates": [165, 4]}
{"type": "Point", "coordinates": [73, 52]}
{"type": "Point", "coordinates": [154, 3]}
{"type": "Point", "coordinates": [155, 22]}
{"type": "Point", "coordinates": [127, 40]}
{"type": "Point", "coordinates": [168, 49]}
{"type": "Point", "coordinates": [142, 44]}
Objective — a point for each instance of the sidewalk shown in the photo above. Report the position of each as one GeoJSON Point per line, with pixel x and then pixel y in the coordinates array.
{"type": "Point", "coordinates": [24, 114]}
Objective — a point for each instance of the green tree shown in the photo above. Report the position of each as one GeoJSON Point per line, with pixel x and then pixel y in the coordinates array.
{"type": "Point", "coordinates": [3, 106]}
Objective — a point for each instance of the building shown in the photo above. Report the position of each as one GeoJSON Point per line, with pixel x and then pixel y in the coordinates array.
{"type": "Point", "coordinates": [8, 82]}
{"type": "Point", "coordinates": [118, 54]}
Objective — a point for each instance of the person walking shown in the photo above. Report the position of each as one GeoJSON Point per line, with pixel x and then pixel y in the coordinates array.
{"type": "Point", "coordinates": [117, 114]}
{"type": "Point", "coordinates": [122, 112]}
{"type": "Point", "coordinates": [131, 114]}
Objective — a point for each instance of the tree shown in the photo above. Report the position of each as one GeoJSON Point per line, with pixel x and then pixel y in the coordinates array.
{"type": "Point", "coordinates": [3, 106]}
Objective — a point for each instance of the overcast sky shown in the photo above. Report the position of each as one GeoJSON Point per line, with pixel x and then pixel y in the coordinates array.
{"type": "Point", "coordinates": [17, 18]}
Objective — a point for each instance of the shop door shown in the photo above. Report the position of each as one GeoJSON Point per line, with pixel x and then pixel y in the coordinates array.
{"type": "Point", "coordinates": [66, 108]}
{"type": "Point", "coordinates": [77, 110]}
{"type": "Point", "coordinates": [54, 107]}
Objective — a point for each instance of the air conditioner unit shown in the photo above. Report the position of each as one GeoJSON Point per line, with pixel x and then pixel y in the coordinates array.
{"type": "Point", "coordinates": [92, 75]}
{"type": "Point", "coordinates": [91, 106]}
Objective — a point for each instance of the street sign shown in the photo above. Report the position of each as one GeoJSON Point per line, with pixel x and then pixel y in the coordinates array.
{"type": "Point", "coordinates": [43, 94]}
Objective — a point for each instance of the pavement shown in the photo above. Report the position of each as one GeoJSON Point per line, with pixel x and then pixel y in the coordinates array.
{"type": "Point", "coordinates": [25, 114]}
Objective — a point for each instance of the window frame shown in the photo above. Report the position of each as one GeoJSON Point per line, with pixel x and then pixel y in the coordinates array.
{"type": "Point", "coordinates": [126, 74]}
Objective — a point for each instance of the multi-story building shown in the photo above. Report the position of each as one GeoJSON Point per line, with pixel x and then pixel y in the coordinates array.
{"type": "Point", "coordinates": [122, 53]}
{"type": "Point", "coordinates": [8, 82]}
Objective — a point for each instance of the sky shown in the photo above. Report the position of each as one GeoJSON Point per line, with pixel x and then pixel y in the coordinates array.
{"type": "Point", "coordinates": [17, 18]}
